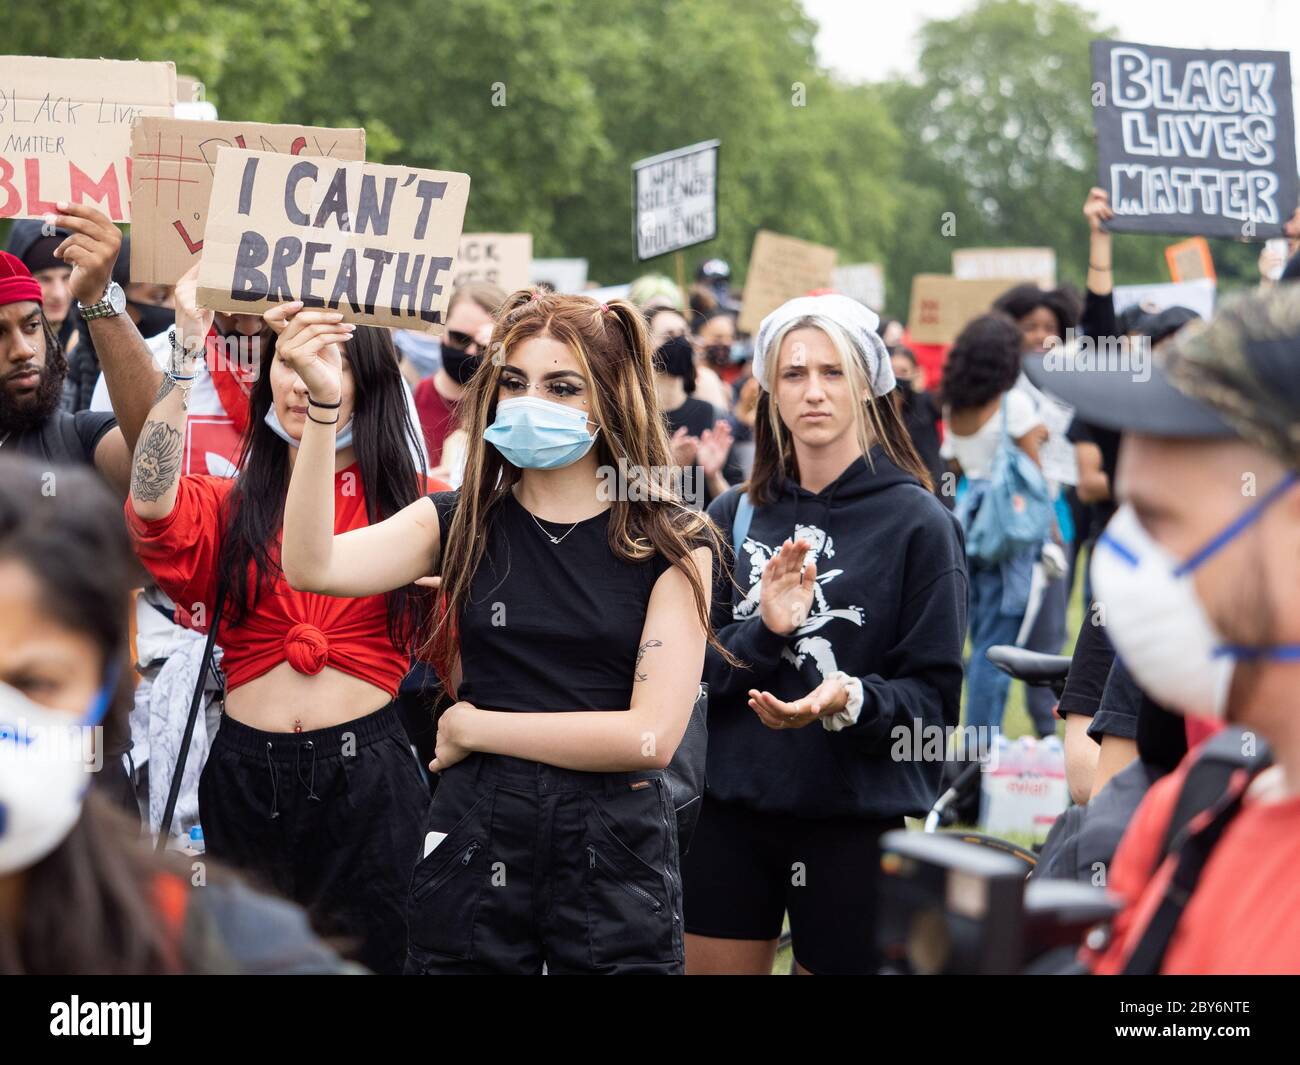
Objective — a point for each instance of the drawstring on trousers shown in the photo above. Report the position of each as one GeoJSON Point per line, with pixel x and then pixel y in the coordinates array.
{"type": "Point", "coordinates": [309, 782]}
{"type": "Point", "coordinates": [275, 784]}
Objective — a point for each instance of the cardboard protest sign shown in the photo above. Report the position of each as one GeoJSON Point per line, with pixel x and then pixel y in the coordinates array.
{"type": "Point", "coordinates": [376, 242]}
{"type": "Point", "coordinates": [969, 264]}
{"type": "Point", "coordinates": [566, 276]}
{"type": "Point", "coordinates": [1195, 141]}
{"type": "Point", "coordinates": [781, 268]}
{"type": "Point", "coordinates": [1056, 455]}
{"type": "Point", "coordinates": [188, 90]}
{"type": "Point", "coordinates": [1190, 260]}
{"type": "Point", "coordinates": [502, 258]}
{"type": "Point", "coordinates": [1196, 295]}
{"type": "Point", "coordinates": [942, 305]}
{"type": "Point", "coordinates": [65, 130]}
{"type": "Point", "coordinates": [864, 282]}
{"type": "Point", "coordinates": [172, 163]}
{"type": "Point", "coordinates": [675, 199]}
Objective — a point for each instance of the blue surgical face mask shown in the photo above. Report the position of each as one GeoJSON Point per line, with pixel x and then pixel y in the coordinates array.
{"type": "Point", "coordinates": [342, 439]}
{"type": "Point", "coordinates": [536, 434]}
{"type": "Point", "coordinates": [422, 352]}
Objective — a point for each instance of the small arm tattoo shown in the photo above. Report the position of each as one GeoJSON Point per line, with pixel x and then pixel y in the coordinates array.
{"type": "Point", "coordinates": [157, 462]}
{"type": "Point", "coordinates": [640, 654]}
{"type": "Point", "coordinates": [164, 390]}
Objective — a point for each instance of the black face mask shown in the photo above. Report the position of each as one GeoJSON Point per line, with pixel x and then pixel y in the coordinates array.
{"type": "Point", "coordinates": [153, 320]}
{"type": "Point", "coordinates": [718, 355]}
{"type": "Point", "coordinates": [459, 363]}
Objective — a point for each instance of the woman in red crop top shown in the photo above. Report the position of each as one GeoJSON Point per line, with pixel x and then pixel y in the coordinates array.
{"type": "Point", "coordinates": [577, 586]}
{"type": "Point", "coordinates": [311, 784]}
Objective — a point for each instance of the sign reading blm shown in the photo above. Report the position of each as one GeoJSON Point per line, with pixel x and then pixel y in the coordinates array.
{"type": "Point", "coordinates": [675, 199]}
{"type": "Point", "coordinates": [376, 242]}
{"type": "Point", "coordinates": [1195, 141]}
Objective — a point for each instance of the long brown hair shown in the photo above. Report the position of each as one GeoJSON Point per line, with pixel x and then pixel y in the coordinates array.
{"type": "Point", "coordinates": [612, 345]}
{"type": "Point", "coordinates": [875, 419]}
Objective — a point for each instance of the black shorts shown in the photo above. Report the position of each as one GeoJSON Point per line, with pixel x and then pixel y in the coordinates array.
{"type": "Point", "coordinates": [529, 865]}
{"type": "Point", "coordinates": [746, 871]}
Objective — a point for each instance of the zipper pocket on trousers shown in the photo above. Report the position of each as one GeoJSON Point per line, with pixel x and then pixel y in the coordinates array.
{"type": "Point", "coordinates": [594, 861]}
{"type": "Point", "coordinates": [668, 833]}
{"type": "Point", "coordinates": [450, 869]}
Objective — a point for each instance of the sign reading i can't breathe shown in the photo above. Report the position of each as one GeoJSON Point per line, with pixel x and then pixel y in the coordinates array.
{"type": "Point", "coordinates": [675, 199]}
{"type": "Point", "coordinates": [1195, 141]}
{"type": "Point", "coordinates": [376, 242]}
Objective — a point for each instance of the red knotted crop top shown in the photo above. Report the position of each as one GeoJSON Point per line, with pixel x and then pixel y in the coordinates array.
{"type": "Point", "coordinates": [306, 630]}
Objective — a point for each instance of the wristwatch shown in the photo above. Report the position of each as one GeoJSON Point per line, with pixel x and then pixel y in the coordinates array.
{"type": "Point", "coordinates": [113, 304]}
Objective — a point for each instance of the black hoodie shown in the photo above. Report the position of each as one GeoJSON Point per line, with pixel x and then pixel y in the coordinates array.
{"type": "Point", "coordinates": [890, 609]}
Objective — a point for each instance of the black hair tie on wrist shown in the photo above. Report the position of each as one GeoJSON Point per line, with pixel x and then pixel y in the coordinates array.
{"type": "Point", "coordinates": [324, 406]}
{"type": "Point", "coordinates": [319, 422]}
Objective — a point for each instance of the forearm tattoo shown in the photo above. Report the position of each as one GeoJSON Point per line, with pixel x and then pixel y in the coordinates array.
{"type": "Point", "coordinates": [164, 390]}
{"type": "Point", "coordinates": [640, 654]}
{"type": "Point", "coordinates": [157, 462]}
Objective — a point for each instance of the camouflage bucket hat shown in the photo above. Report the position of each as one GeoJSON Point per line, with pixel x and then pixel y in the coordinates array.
{"type": "Point", "coordinates": [1246, 365]}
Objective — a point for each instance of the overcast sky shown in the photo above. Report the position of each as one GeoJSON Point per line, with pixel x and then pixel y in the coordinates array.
{"type": "Point", "coordinates": [865, 40]}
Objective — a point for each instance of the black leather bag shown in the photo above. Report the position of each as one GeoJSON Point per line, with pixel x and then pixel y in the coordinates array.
{"type": "Point", "coordinates": [685, 773]}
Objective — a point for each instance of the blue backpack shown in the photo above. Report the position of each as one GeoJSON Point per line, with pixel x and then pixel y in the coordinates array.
{"type": "Point", "coordinates": [1013, 512]}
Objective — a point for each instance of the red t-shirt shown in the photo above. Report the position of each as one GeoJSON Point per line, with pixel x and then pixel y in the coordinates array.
{"type": "Point", "coordinates": [437, 418]}
{"type": "Point", "coordinates": [1244, 916]}
{"type": "Point", "coordinates": [306, 630]}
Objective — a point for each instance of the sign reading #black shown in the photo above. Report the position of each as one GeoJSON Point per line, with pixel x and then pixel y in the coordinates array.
{"type": "Point", "coordinates": [1195, 141]}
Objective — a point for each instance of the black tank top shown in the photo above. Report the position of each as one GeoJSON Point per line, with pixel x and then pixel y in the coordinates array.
{"type": "Point", "coordinates": [550, 626]}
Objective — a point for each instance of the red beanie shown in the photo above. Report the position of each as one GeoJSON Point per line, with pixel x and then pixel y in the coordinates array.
{"type": "Point", "coordinates": [16, 281]}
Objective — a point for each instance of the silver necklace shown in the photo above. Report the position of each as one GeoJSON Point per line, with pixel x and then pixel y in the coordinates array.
{"type": "Point", "coordinates": [549, 536]}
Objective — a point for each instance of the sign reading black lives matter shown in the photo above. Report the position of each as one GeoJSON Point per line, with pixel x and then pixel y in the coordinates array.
{"type": "Point", "coordinates": [1195, 141]}
{"type": "Point", "coordinates": [376, 242]}
{"type": "Point", "coordinates": [675, 199]}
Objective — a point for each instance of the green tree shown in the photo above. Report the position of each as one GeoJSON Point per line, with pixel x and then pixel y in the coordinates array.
{"type": "Point", "coordinates": [253, 57]}
{"type": "Point", "coordinates": [997, 130]}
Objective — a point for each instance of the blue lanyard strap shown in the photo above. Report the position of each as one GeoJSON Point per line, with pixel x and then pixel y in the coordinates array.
{"type": "Point", "coordinates": [1236, 526]}
{"type": "Point", "coordinates": [104, 699]}
{"type": "Point", "coordinates": [1281, 653]}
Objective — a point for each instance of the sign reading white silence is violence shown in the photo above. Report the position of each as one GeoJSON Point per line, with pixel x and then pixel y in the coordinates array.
{"type": "Point", "coordinates": [675, 199]}
{"type": "Point", "coordinates": [1195, 141]}
{"type": "Point", "coordinates": [373, 241]}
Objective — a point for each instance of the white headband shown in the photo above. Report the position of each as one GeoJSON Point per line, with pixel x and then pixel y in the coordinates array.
{"type": "Point", "coordinates": [856, 319]}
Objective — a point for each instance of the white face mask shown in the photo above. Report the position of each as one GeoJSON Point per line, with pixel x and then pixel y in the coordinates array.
{"type": "Point", "coordinates": [44, 775]}
{"type": "Point", "coordinates": [1156, 622]}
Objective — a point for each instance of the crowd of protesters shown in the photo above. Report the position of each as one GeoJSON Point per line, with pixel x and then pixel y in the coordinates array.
{"type": "Point", "coordinates": [457, 674]}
